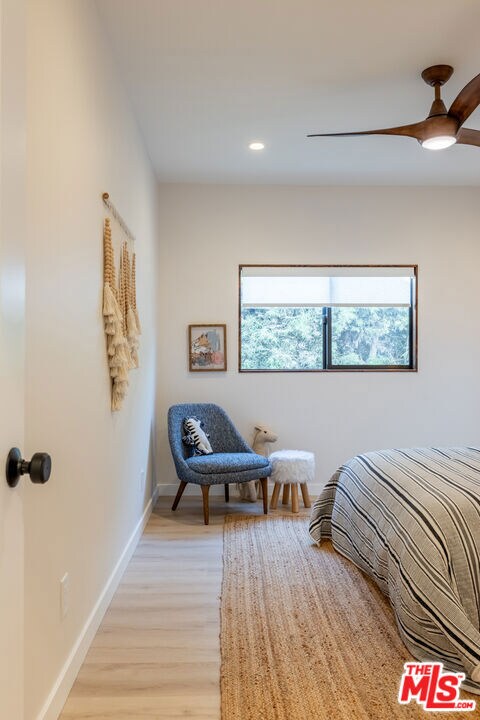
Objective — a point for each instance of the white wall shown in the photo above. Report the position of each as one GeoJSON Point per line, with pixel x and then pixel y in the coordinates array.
{"type": "Point", "coordinates": [207, 231]}
{"type": "Point", "coordinates": [82, 141]}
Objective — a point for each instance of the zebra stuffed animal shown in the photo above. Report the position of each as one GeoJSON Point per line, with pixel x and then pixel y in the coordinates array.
{"type": "Point", "coordinates": [195, 437]}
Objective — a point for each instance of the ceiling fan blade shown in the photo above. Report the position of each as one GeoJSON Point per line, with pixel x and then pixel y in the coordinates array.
{"type": "Point", "coordinates": [466, 101]}
{"type": "Point", "coordinates": [415, 131]}
{"type": "Point", "coordinates": [468, 137]}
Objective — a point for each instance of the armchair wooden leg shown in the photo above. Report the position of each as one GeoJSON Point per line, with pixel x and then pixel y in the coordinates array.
{"type": "Point", "coordinates": [264, 482]}
{"type": "Point", "coordinates": [179, 494]}
{"type": "Point", "coordinates": [205, 490]}
{"type": "Point", "coordinates": [227, 492]}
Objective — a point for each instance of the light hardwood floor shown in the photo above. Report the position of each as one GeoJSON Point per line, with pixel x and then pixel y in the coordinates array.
{"type": "Point", "coordinates": [156, 653]}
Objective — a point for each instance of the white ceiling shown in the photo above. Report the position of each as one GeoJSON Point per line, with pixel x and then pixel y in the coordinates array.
{"type": "Point", "coordinates": [206, 77]}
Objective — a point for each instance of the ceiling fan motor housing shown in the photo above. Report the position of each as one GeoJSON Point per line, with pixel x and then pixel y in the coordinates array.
{"type": "Point", "coordinates": [438, 125]}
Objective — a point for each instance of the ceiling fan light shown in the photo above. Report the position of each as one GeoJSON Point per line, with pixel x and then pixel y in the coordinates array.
{"type": "Point", "coordinates": [439, 143]}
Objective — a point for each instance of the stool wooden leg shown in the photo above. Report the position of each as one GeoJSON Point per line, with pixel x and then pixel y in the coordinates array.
{"type": "Point", "coordinates": [264, 484]}
{"type": "Point", "coordinates": [286, 494]}
{"type": "Point", "coordinates": [227, 492]}
{"type": "Point", "coordinates": [294, 497]}
{"type": "Point", "coordinates": [275, 494]}
{"type": "Point", "coordinates": [305, 495]}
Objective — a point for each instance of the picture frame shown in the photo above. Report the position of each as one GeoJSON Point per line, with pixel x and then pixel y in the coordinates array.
{"type": "Point", "coordinates": [207, 347]}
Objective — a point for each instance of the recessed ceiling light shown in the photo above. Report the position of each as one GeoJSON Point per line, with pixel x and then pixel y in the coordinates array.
{"type": "Point", "coordinates": [439, 143]}
{"type": "Point", "coordinates": [256, 146]}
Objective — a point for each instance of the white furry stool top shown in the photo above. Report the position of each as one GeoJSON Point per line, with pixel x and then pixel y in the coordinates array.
{"type": "Point", "coordinates": [291, 468]}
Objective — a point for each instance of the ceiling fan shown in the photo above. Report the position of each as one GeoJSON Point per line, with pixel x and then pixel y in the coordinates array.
{"type": "Point", "coordinates": [441, 128]}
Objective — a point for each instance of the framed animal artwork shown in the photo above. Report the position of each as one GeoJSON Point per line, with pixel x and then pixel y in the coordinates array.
{"type": "Point", "coordinates": [207, 347]}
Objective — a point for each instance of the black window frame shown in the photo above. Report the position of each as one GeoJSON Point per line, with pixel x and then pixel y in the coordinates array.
{"type": "Point", "coordinates": [327, 325]}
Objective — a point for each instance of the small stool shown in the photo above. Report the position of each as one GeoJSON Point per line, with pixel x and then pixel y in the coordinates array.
{"type": "Point", "coordinates": [291, 468]}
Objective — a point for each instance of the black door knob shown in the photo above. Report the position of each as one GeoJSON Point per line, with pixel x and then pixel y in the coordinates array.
{"type": "Point", "coordinates": [39, 467]}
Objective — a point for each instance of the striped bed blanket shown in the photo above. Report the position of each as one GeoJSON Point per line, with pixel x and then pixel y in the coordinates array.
{"type": "Point", "coordinates": [410, 519]}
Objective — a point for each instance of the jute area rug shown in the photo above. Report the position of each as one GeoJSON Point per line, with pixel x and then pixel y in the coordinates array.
{"type": "Point", "coordinates": [304, 634]}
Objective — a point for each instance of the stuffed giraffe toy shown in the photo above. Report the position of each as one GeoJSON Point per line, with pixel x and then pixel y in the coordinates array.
{"type": "Point", "coordinates": [263, 435]}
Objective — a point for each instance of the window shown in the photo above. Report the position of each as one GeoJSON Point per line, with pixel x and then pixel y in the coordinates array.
{"type": "Point", "coordinates": [317, 317]}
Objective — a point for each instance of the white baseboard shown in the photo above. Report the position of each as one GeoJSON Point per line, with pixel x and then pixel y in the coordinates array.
{"type": "Point", "coordinates": [59, 693]}
{"type": "Point", "coordinates": [170, 489]}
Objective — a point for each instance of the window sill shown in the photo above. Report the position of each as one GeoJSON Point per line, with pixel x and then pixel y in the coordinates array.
{"type": "Point", "coordinates": [337, 370]}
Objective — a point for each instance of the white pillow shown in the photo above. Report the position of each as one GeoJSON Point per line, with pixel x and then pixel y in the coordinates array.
{"type": "Point", "coordinates": [196, 437]}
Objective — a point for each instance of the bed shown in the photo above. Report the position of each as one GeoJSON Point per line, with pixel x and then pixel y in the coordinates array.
{"type": "Point", "coordinates": [410, 519]}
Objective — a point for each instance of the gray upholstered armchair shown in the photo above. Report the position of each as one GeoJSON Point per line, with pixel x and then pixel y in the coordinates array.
{"type": "Point", "coordinates": [232, 460]}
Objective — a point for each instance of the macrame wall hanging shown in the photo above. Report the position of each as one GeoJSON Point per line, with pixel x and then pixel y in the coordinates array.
{"type": "Point", "coordinates": [120, 314]}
